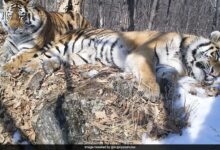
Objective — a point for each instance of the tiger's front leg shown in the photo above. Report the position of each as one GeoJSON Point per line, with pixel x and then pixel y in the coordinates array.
{"type": "Point", "coordinates": [18, 60]}
{"type": "Point", "coordinates": [143, 68]}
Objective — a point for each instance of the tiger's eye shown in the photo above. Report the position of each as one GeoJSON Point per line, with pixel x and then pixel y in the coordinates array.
{"type": "Point", "coordinates": [200, 65]}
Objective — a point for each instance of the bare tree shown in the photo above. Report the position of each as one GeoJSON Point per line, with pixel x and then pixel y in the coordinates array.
{"type": "Point", "coordinates": [153, 13]}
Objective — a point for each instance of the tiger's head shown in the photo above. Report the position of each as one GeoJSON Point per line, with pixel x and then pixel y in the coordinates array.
{"type": "Point", "coordinates": [206, 71]}
{"type": "Point", "coordinates": [16, 18]}
{"type": "Point", "coordinates": [203, 57]}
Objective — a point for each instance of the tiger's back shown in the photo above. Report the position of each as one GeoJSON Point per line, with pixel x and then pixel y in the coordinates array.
{"type": "Point", "coordinates": [65, 22]}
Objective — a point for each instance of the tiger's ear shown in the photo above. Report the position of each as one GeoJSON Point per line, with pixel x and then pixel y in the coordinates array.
{"type": "Point", "coordinates": [5, 1]}
{"type": "Point", "coordinates": [215, 36]}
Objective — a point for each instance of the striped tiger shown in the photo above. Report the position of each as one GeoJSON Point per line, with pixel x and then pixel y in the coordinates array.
{"type": "Point", "coordinates": [31, 27]}
{"type": "Point", "coordinates": [152, 56]}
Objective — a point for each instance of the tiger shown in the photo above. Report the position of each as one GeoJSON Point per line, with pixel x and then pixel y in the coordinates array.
{"type": "Point", "coordinates": [31, 27]}
{"type": "Point", "coordinates": [151, 56]}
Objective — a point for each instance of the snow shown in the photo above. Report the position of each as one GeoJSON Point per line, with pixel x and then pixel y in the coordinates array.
{"type": "Point", "coordinates": [92, 73]}
{"type": "Point", "coordinates": [204, 117]}
{"type": "Point", "coordinates": [16, 137]}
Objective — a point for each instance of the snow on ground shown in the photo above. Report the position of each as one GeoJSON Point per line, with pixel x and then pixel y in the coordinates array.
{"type": "Point", "coordinates": [17, 139]}
{"type": "Point", "coordinates": [204, 118]}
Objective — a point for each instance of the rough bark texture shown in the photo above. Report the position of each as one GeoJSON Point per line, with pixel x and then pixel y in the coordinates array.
{"type": "Point", "coordinates": [77, 5]}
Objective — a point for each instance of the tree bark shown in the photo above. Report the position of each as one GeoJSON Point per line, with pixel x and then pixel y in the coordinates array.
{"type": "Point", "coordinates": [153, 14]}
{"type": "Point", "coordinates": [76, 5]}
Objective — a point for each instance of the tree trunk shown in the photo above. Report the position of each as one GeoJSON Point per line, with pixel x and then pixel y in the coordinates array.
{"type": "Point", "coordinates": [153, 14]}
{"type": "Point", "coordinates": [76, 5]}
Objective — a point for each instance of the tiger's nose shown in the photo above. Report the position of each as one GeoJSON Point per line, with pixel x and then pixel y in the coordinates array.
{"type": "Point", "coordinates": [14, 28]}
{"type": "Point", "coordinates": [14, 25]}
{"type": "Point", "coordinates": [215, 73]}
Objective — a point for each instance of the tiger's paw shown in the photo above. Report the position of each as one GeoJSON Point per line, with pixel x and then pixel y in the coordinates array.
{"type": "Point", "coordinates": [10, 68]}
{"type": "Point", "coordinates": [150, 94]}
{"type": "Point", "coordinates": [51, 66]}
{"type": "Point", "coordinates": [33, 66]}
{"type": "Point", "coordinates": [4, 73]}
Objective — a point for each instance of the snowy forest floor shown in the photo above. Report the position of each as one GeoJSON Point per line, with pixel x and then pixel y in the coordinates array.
{"type": "Point", "coordinates": [204, 118]}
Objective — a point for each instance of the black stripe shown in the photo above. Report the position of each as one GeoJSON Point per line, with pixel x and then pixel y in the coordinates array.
{"type": "Point", "coordinates": [211, 48]}
{"type": "Point", "coordinates": [86, 36]}
{"type": "Point", "coordinates": [96, 46]}
{"type": "Point", "coordinates": [182, 43]}
{"type": "Point", "coordinates": [71, 15]}
{"type": "Point", "coordinates": [65, 48]}
{"type": "Point", "coordinates": [28, 40]}
{"type": "Point", "coordinates": [29, 16]}
{"type": "Point", "coordinates": [46, 46]}
{"type": "Point", "coordinates": [167, 49]}
{"type": "Point", "coordinates": [32, 16]}
{"type": "Point", "coordinates": [48, 56]}
{"type": "Point", "coordinates": [82, 24]}
{"type": "Point", "coordinates": [82, 43]}
{"type": "Point", "coordinates": [57, 48]}
{"type": "Point", "coordinates": [156, 55]}
{"type": "Point", "coordinates": [97, 31]}
{"type": "Point", "coordinates": [10, 51]}
{"type": "Point", "coordinates": [73, 62]}
{"type": "Point", "coordinates": [90, 41]}
{"type": "Point", "coordinates": [111, 51]}
{"type": "Point", "coordinates": [107, 59]}
{"type": "Point", "coordinates": [207, 50]}
{"type": "Point", "coordinates": [80, 33]}
{"type": "Point", "coordinates": [37, 9]}
{"type": "Point", "coordinates": [195, 50]}
{"type": "Point", "coordinates": [191, 73]}
{"type": "Point", "coordinates": [102, 49]}
{"type": "Point", "coordinates": [204, 44]}
{"type": "Point", "coordinates": [91, 32]}
{"type": "Point", "coordinates": [13, 44]}
{"type": "Point", "coordinates": [83, 58]}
